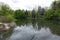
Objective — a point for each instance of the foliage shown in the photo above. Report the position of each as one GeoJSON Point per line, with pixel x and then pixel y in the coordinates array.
{"type": "Point", "coordinates": [6, 13]}
{"type": "Point", "coordinates": [48, 14]}
{"type": "Point", "coordinates": [19, 14]}
{"type": "Point", "coordinates": [53, 13]}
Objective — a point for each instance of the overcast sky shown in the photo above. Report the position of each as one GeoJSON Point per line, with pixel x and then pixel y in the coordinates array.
{"type": "Point", "coordinates": [27, 4]}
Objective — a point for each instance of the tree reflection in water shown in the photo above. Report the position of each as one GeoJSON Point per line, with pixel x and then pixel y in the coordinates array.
{"type": "Point", "coordinates": [29, 33]}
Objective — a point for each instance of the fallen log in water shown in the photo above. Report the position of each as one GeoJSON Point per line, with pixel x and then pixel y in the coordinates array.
{"type": "Point", "coordinates": [6, 26]}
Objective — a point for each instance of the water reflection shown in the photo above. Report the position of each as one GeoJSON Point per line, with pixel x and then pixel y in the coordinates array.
{"type": "Point", "coordinates": [4, 35]}
{"type": "Point", "coordinates": [33, 29]}
{"type": "Point", "coordinates": [37, 24]}
{"type": "Point", "coordinates": [29, 33]}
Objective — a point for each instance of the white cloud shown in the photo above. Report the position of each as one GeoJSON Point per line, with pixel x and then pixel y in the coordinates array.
{"type": "Point", "coordinates": [27, 4]}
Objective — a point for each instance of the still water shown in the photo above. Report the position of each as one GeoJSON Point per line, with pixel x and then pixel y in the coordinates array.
{"type": "Point", "coordinates": [33, 30]}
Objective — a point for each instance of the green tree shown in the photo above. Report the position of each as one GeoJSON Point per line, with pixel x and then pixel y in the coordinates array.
{"type": "Point", "coordinates": [19, 14]}
{"type": "Point", "coordinates": [49, 13]}
{"type": "Point", "coordinates": [26, 13]}
{"type": "Point", "coordinates": [33, 13]}
{"type": "Point", "coordinates": [54, 12]}
{"type": "Point", "coordinates": [4, 9]}
{"type": "Point", "coordinates": [6, 12]}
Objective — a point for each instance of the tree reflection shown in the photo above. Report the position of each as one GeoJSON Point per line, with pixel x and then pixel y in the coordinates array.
{"type": "Point", "coordinates": [38, 24]}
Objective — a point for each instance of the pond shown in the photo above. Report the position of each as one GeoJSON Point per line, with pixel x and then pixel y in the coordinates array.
{"type": "Point", "coordinates": [33, 29]}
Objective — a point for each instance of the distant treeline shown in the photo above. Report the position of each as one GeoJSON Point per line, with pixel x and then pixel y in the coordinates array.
{"type": "Point", "coordinates": [51, 13]}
